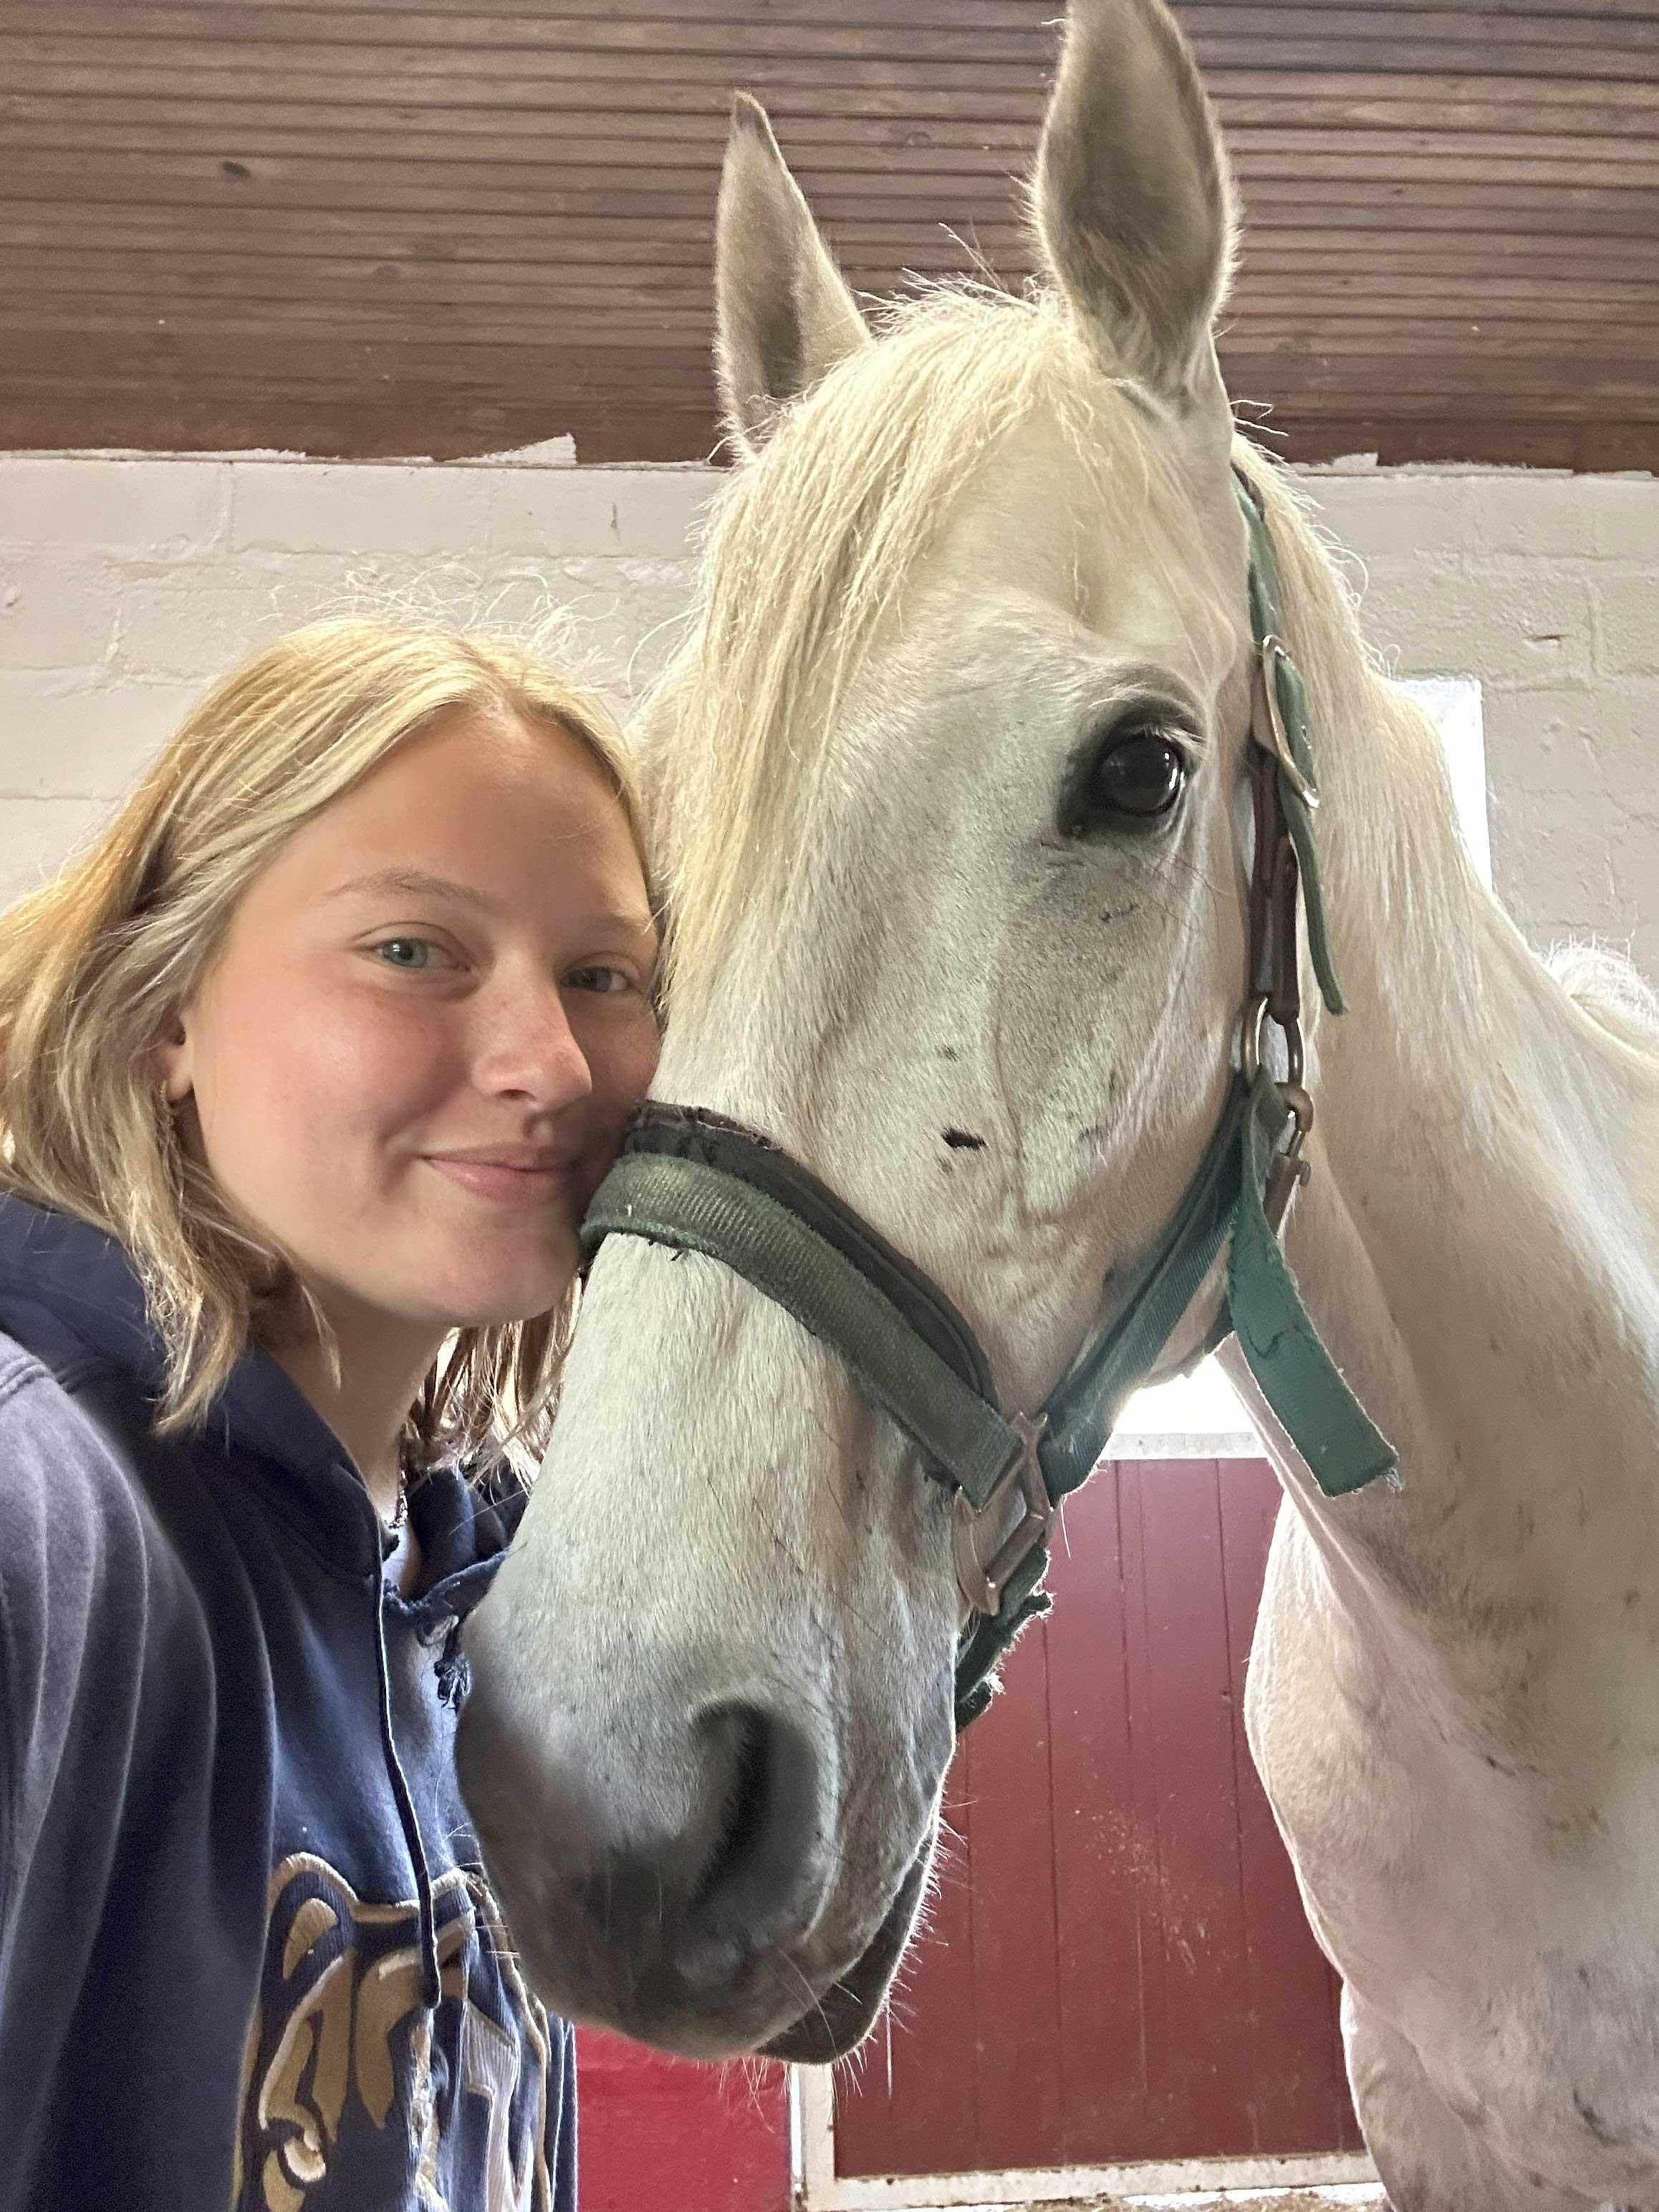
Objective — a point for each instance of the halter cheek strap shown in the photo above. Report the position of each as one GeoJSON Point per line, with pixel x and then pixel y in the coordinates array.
{"type": "Point", "coordinates": [695, 1182]}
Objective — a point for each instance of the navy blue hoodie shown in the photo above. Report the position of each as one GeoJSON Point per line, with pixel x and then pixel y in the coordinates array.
{"type": "Point", "coordinates": [247, 1958]}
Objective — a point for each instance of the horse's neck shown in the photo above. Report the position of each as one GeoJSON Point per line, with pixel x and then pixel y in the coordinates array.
{"type": "Point", "coordinates": [1479, 1244]}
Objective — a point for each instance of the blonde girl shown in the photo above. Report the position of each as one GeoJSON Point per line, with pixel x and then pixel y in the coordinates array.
{"type": "Point", "coordinates": [308, 1066]}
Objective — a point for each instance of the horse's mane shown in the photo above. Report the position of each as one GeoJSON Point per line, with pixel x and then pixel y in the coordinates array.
{"type": "Point", "coordinates": [1398, 868]}
{"type": "Point", "coordinates": [808, 549]}
{"type": "Point", "coordinates": [1608, 987]}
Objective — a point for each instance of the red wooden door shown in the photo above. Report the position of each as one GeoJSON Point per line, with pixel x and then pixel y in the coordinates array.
{"type": "Point", "coordinates": [1118, 1967]}
{"type": "Point", "coordinates": [660, 2135]}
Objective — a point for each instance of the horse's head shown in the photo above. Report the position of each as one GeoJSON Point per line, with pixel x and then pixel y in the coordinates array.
{"type": "Point", "coordinates": [947, 782]}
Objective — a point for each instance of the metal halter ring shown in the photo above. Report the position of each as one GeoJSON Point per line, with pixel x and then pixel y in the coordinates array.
{"type": "Point", "coordinates": [1274, 650]}
{"type": "Point", "coordinates": [981, 1580]}
{"type": "Point", "coordinates": [1253, 1036]}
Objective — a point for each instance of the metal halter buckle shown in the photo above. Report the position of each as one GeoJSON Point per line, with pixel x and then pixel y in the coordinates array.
{"type": "Point", "coordinates": [981, 1580]}
{"type": "Point", "coordinates": [1274, 650]}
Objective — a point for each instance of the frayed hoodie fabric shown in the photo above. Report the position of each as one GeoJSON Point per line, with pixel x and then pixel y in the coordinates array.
{"type": "Point", "coordinates": [247, 1956]}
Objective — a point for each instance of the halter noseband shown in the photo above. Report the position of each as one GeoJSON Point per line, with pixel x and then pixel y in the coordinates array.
{"type": "Point", "coordinates": [695, 1182]}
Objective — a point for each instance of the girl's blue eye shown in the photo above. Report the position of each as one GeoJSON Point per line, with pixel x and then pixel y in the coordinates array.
{"type": "Point", "coordinates": [420, 944]}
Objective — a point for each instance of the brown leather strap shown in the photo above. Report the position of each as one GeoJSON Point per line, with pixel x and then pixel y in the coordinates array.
{"type": "Point", "coordinates": [1274, 902]}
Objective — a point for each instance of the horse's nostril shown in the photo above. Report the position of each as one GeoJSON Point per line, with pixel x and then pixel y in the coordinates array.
{"type": "Point", "coordinates": [762, 1783]}
{"type": "Point", "coordinates": [735, 1739]}
{"type": "Point", "coordinates": [646, 1858]}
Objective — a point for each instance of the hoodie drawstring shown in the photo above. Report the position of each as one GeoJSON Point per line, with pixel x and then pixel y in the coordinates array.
{"type": "Point", "coordinates": [426, 1911]}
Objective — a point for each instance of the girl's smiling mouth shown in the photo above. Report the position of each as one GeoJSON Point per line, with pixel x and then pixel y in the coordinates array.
{"type": "Point", "coordinates": [519, 1174]}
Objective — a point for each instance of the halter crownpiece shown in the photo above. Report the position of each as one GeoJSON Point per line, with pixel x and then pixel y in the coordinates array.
{"type": "Point", "coordinates": [695, 1182]}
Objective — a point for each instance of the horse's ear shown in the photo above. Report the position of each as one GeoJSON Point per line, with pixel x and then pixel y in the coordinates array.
{"type": "Point", "coordinates": [1133, 198]}
{"type": "Point", "coordinates": [784, 315]}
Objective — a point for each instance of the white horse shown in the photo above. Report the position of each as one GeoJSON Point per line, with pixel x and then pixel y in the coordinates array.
{"type": "Point", "coordinates": [949, 782]}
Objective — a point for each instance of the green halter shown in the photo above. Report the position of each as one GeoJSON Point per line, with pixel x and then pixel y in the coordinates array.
{"type": "Point", "coordinates": [695, 1181]}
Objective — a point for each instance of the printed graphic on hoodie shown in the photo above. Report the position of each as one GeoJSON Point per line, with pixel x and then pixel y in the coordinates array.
{"type": "Point", "coordinates": [344, 2060]}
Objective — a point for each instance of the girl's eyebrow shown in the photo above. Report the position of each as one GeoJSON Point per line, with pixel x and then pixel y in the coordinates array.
{"type": "Point", "coordinates": [420, 882]}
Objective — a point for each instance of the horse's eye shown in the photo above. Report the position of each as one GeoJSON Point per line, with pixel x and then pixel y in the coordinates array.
{"type": "Point", "coordinates": [1136, 778]}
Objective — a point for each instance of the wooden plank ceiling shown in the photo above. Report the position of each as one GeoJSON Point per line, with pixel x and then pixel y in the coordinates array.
{"type": "Point", "coordinates": [453, 226]}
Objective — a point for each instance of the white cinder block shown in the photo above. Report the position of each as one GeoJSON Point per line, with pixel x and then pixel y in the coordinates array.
{"type": "Point", "coordinates": [1627, 626]}
{"type": "Point", "coordinates": [1622, 734]}
{"type": "Point", "coordinates": [1551, 871]}
{"type": "Point", "coordinates": [38, 835]}
{"type": "Point", "coordinates": [648, 513]}
{"type": "Point", "coordinates": [1510, 621]}
{"type": "Point", "coordinates": [1544, 516]}
{"type": "Point", "coordinates": [359, 508]}
{"type": "Point", "coordinates": [156, 507]}
{"type": "Point", "coordinates": [176, 621]}
{"type": "Point", "coordinates": [1572, 772]}
{"type": "Point", "coordinates": [1630, 866]}
{"type": "Point", "coordinates": [55, 612]}
{"type": "Point", "coordinates": [65, 737]}
{"type": "Point", "coordinates": [1544, 744]}
{"type": "Point", "coordinates": [191, 622]}
{"type": "Point", "coordinates": [1624, 514]}
{"type": "Point", "coordinates": [1374, 516]}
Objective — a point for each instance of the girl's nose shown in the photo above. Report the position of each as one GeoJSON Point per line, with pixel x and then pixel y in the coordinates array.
{"type": "Point", "coordinates": [531, 1051]}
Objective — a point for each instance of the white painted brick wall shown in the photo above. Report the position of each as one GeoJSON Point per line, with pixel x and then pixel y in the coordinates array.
{"type": "Point", "coordinates": [1546, 587]}
{"type": "Point", "coordinates": [125, 584]}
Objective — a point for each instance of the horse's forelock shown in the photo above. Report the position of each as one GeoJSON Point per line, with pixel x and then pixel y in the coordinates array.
{"type": "Point", "coordinates": [809, 548]}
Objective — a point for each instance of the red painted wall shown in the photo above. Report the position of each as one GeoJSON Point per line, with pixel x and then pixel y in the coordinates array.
{"type": "Point", "coordinates": [660, 2135]}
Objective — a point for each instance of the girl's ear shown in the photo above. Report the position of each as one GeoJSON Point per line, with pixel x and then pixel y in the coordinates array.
{"type": "Point", "coordinates": [784, 314]}
{"type": "Point", "coordinates": [172, 1056]}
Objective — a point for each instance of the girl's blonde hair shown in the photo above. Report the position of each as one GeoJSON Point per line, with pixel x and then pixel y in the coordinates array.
{"type": "Point", "coordinates": [95, 964]}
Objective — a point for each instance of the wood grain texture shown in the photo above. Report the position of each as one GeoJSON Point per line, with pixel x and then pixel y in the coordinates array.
{"type": "Point", "coordinates": [445, 226]}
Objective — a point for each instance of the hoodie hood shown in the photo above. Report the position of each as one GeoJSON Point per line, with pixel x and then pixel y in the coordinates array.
{"type": "Point", "coordinates": [70, 1293]}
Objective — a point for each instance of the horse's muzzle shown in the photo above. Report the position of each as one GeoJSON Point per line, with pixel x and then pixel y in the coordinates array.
{"type": "Point", "coordinates": [657, 1876]}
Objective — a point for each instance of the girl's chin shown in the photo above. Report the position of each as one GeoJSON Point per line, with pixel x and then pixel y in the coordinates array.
{"type": "Point", "coordinates": [479, 1298]}
{"type": "Point", "coordinates": [449, 1278]}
